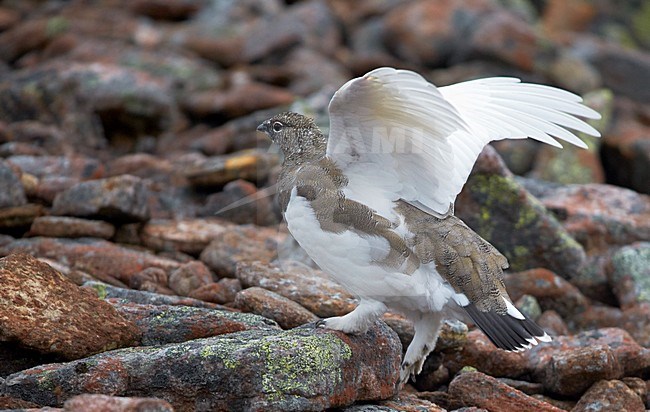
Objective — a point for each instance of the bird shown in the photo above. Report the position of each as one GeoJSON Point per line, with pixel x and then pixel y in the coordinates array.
{"type": "Point", "coordinates": [372, 203]}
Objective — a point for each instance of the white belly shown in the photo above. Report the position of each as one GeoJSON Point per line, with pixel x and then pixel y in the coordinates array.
{"type": "Point", "coordinates": [351, 260]}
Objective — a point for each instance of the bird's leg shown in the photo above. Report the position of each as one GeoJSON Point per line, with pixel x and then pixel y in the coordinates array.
{"type": "Point", "coordinates": [427, 326]}
{"type": "Point", "coordinates": [357, 321]}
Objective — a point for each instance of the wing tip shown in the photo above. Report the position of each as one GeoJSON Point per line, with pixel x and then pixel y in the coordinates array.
{"type": "Point", "coordinates": [508, 332]}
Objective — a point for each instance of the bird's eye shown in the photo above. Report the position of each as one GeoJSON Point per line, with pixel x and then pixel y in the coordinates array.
{"type": "Point", "coordinates": [277, 126]}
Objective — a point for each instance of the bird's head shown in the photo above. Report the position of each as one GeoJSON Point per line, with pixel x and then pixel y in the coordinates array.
{"type": "Point", "coordinates": [298, 137]}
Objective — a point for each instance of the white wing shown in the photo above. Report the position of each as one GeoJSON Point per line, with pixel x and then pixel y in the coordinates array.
{"type": "Point", "coordinates": [397, 136]}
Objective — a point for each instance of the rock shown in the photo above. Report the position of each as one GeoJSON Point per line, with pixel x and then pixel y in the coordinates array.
{"type": "Point", "coordinates": [13, 193]}
{"type": "Point", "coordinates": [600, 216]}
{"type": "Point", "coordinates": [75, 167]}
{"type": "Point", "coordinates": [481, 354]}
{"type": "Point", "coordinates": [301, 369]}
{"type": "Point", "coordinates": [99, 258]}
{"type": "Point", "coordinates": [167, 10]}
{"type": "Point", "coordinates": [506, 37]}
{"type": "Point", "coordinates": [239, 100]}
{"type": "Point", "coordinates": [633, 359]}
{"type": "Point", "coordinates": [630, 274]}
{"type": "Point", "coordinates": [9, 403]}
{"type": "Point", "coordinates": [189, 277]}
{"type": "Point", "coordinates": [287, 313]}
{"type": "Point", "coordinates": [635, 320]}
{"type": "Point", "coordinates": [403, 402]}
{"type": "Point", "coordinates": [162, 324]}
{"type": "Point", "coordinates": [97, 403]}
{"type": "Point", "coordinates": [626, 149]}
{"type": "Point", "coordinates": [60, 226]}
{"type": "Point", "coordinates": [19, 217]}
{"type": "Point", "coordinates": [570, 373]}
{"type": "Point", "coordinates": [105, 291]}
{"type": "Point", "coordinates": [241, 244]}
{"type": "Point", "coordinates": [429, 33]}
{"type": "Point", "coordinates": [500, 210]}
{"type": "Point", "coordinates": [305, 286]}
{"type": "Point", "coordinates": [550, 290]}
{"type": "Point", "coordinates": [529, 306]}
{"type": "Point", "coordinates": [184, 235]}
{"type": "Point", "coordinates": [571, 16]}
{"type": "Point", "coordinates": [553, 324]}
{"type": "Point", "coordinates": [609, 395]}
{"type": "Point", "coordinates": [121, 198]}
{"type": "Point", "coordinates": [151, 280]}
{"type": "Point", "coordinates": [240, 202]}
{"type": "Point", "coordinates": [483, 391]}
{"type": "Point", "coordinates": [252, 165]}
{"type": "Point", "coordinates": [43, 310]}
{"type": "Point", "coordinates": [224, 291]}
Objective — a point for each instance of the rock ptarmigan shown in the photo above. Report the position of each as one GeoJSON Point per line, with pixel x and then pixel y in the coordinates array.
{"type": "Point", "coordinates": [372, 204]}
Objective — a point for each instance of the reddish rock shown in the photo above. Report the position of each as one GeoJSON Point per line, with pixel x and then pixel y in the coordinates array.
{"type": "Point", "coordinates": [552, 323]}
{"type": "Point", "coordinates": [601, 216]}
{"type": "Point", "coordinates": [184, 235]}
{"type": "Point", "coordinates": [60, 226]}
{"type": "Point", "coordinates": [151, 280]}
{"type": "Point", "coordinates": [167, 10]}
{"type": "Point", "coordinates": [609, 395]}
{"type": "Point", "coordinates": [240, 244]}
{"type": "Point", "coordinates": [106, 403]}
{"type": "Point", "coordinates": [572, 15]}
{"type": "Point", "coordinates": [551, 291]}
{"type": "Point", "coordinates": [99, 258]}
{"type": "Point", "coordinates": [635, 320]}
{"type": "Point", "coordinates": [121, 198]}
{"type": "Point", "coordinates": [633, 359]}
{"type": "Point", "coordinates": [43, 310]}
{"type": "Point", "coordinates": [483, 391]}
{"type": "Point", "coordinates": [427, 33]}
{"type": "Point", "coordinates": [47, 188]}
{"type": "Point", "coordinates": [287, 313]}
{"type": "Point", "coordinates": [237, 101]}
{"type": "Point", "coordinates": [481, 354]}
{"type": "Point", "coordinates": [570, 373]}
{"type": "Point", "coordinates": [189, 277]}
{"type": "Point", "coordinates": [506, 37]}
{"type": "Point", "coordinates": [222, 292]}
{"type": "Point", "coordinates": [163, 324]}
{"type": "Point", "coordinates": [307, 287]}
{"type": "Point", "coordinates": [7, 402]}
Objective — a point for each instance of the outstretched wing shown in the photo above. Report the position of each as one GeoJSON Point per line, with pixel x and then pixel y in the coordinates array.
{"type": "Point", "coordinates": [397, 136]}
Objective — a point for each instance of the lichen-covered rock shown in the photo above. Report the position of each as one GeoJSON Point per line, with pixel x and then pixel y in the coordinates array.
{"type": "Point", "coordinates": [161, 324]}
{"type": "Point", "coordinates": [121, 198]}
{"type": "Point", "coordinates": [630, 274]}
{"type": "Point", "coordinates": [308, 287]}
{"type": "Point", "coordinates": [499, 209]}
{"type": "Point", "coordinates": [298, 370]}
{"type": "Point", "coordinates": [43, 310]}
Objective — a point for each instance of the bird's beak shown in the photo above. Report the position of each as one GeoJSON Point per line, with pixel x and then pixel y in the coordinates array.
{"type": "Point", "coordinates": [264, 127]}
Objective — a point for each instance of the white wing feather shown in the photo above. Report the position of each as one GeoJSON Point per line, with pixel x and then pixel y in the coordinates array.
{"type": "Point", "coordinates": [397, 136]}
